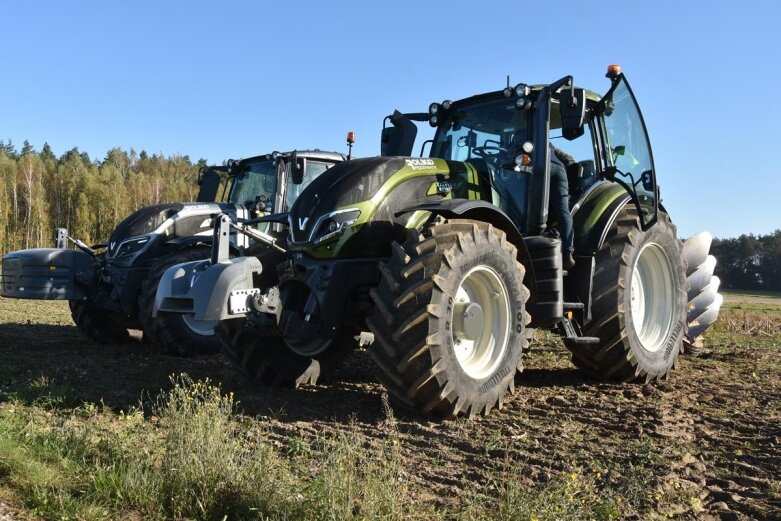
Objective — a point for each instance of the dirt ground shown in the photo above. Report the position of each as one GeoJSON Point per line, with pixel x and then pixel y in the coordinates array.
{"type": "Point", "coordinates": [705, 444]}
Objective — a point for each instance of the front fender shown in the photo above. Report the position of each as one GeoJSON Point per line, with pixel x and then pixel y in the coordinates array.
{"type": "Point", "coordinates": [480, 210]}
{"type": "Point", "coordinates": [204, 290]}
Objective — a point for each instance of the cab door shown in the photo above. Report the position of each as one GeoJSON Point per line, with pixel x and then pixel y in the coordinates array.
{"type": "Point", "coordinates": [626, 149]}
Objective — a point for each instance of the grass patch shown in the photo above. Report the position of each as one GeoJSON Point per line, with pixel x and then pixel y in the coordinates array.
{"type": "Point", "coordinates": [572, 495]}
{"type": "Point", "coordinates": [192, 457]}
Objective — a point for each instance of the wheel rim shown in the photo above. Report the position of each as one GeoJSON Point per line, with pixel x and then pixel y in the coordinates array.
{"type": "Point", "coordinates": [480, 325]}
{"type": "Point", "coordinates": [200, 327]}
{"type": "Point", "coordinates": [651, 293]}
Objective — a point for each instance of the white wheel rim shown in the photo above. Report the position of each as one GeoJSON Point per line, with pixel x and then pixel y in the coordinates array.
{"type": "Point", "coordinates": [480, 324]}
{"type": "Point", "coordinates": [652, 292]}
{"type": "Point", "coordinates": [200, 327]}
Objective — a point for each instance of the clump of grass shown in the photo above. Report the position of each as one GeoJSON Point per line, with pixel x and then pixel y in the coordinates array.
{"type": "Point", "coordinates": [572, 495]}
{"type": "Point", "coordinates": [359, 480]}
{"type": "Point", "coordinates": [211, 467]}
{"type": "Point", "coordinates": [193, 458]}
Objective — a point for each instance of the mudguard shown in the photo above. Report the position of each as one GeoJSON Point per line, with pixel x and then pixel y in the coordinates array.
{"type": "Point", "coordinates": [594, 213]}
{"type": "Point", "coordinates": [47, 274]}
{"type": "Point", "coordinates": [205, 290]}
{"type": "Point", "coordinates": [483, 211]}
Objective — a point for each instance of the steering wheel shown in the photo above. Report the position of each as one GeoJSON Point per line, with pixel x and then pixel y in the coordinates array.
{"type": "Point", "coordinates": [489, 151]}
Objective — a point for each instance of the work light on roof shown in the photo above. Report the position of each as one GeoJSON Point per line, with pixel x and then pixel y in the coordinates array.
{"type": "Point", "coordinates": [522, 90]}
{"type": "Point", "coordinates": [433, 109]}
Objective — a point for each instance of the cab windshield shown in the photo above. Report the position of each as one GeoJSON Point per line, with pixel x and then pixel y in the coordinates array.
{"type": "Point", "coordinates": [489, 132]}
{"type": "Point", "coordinates": [492, 130]}
{"type": "Point", "coordinates": [256, 179]}
{"type": "Point", "coordinates": [313, 169]}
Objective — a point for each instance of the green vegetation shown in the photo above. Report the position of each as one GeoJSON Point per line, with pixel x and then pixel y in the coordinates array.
{"type": "Point", "coordinates": [189, 457]}
{"type": "Point", "coordinates": [40, 192]}
{"type": "Point", "coordinates": [567, 448]}
{"type": "Point", "coordinates": [750, 262]}
{"type": "Point", "coordinates": [192, 456]}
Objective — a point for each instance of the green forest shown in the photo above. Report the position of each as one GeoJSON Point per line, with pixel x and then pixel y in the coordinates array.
{"type": "Point", "coordinates": [40, 192]}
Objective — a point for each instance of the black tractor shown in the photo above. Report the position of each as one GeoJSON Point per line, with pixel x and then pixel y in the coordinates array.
{"type": "Point", "coordinates": [111, 286]}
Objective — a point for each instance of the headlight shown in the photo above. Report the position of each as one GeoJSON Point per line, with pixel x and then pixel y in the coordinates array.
{"type": "Point", "coordinates": [131, 246]}
{"type": "Point", "coordinates": [334, 224]}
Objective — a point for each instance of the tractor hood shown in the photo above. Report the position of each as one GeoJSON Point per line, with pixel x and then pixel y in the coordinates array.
{"type": "Point", "coordinates": [171, 219]}
{"type": "Point", "coordinates": [343, 185]}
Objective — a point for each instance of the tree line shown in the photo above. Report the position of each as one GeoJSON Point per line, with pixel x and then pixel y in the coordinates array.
{"type": "Point", "coordinates": [40, 192]}
{"type": "Point", "coordinates": [749, 262]}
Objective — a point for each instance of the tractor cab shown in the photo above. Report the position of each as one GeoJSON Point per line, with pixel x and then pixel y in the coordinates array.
{"type": "Point", "coordinates": [264, 184]}
{"type": "Point", "coordinates": [507, 136]}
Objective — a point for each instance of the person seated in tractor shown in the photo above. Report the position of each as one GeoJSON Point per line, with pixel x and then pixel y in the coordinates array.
{"type": "Point", "coordinates": [559, 203]}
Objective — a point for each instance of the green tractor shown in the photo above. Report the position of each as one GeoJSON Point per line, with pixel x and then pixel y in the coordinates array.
{"type": "Point", "coordinates": [452, 261]}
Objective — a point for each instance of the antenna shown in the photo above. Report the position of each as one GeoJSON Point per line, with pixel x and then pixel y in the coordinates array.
{"type": "Point", "coordinates": [508, 81]}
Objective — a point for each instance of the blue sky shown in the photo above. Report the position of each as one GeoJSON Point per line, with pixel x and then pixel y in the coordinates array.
{"type": "Point", "coordinates": [232, 79]}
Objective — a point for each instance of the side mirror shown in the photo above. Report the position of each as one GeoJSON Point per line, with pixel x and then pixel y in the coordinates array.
{"type": "Point", "coordinates": [209, 181]}
{"type": "Point", "coordinates": [399, 139]}
{"type": "Point", "coordinates": [297, 168]}
{"type": "Point", "coordinates": [572, 104]}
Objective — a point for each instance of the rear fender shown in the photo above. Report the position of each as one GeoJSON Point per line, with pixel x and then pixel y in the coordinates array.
{"type": "Point", "coordinates": [594, 214]}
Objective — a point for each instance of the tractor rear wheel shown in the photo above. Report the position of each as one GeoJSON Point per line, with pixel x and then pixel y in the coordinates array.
{"type": "Point", "coordinates": [100, 325]}
{"type": "Point", "coordinates": [639, 303]}
{"type": "Point", "coordinates": [269, 360]}
{"type": "Point", "coordinates": [177, 333]}
{"type": "Point", "coordinates": [449, 320]}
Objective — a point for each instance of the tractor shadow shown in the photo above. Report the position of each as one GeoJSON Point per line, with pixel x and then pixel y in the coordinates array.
{"type": "Point", "coordinates": [59, 366]}
{"type": "Point", "coordinates": [554, 377]}
{"type": "Point", "coordinates": [57, 363]}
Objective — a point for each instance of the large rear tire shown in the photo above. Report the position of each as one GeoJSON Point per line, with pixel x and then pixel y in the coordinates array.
{"type": "Point", "coordinates": [178, 334]}
{"type": "Point", "coordinates": [449, 320]}
{"type": "Point", "coordinates": [269, 360]}
{"type": "Point", "coordinates": [100, 325]}
{"type": "Point", "coordinates": [639, 303]}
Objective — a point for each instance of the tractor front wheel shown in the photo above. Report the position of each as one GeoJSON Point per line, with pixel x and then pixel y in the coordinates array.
{"type": "Point", "coordinates": [179, 334]}
{"type": "Point", "coordinates": [449, 320]}
{"type": "Point", "coordinates": [100, 325]}
{"type": "Point", "coordinates": [269, 360]}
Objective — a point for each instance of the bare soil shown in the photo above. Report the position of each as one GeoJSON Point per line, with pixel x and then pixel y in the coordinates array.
{"type": "Point", "coordinates": [705, 444]}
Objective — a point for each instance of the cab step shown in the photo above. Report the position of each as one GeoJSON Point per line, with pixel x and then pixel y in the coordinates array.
{"type": "Point", "coordinates": [582, 340]}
